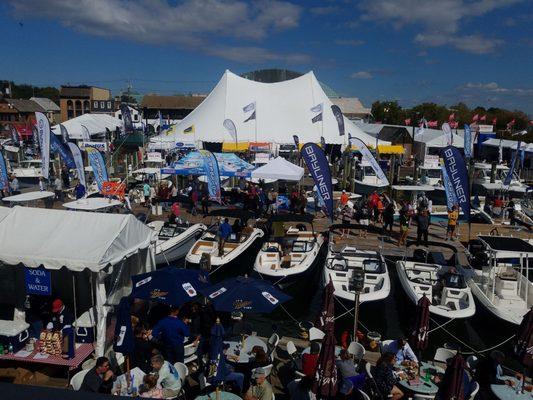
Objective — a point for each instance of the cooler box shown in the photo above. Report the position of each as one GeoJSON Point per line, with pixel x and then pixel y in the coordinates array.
{"type": "Point", "coordinates": [85, 326]}
{"type": "Point", "coordinates": [15, 333]}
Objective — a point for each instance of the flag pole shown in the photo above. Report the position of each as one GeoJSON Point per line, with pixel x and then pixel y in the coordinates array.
{"type": "Point", "coordinates": [255, 111]}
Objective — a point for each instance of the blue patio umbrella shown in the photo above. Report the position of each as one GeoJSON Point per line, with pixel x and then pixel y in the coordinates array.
{"type": "Point", "coordinates": [124, 342]}
{"type": "Point", "coordinates": [216, 372]}
{"type": "Point", "coordinates": [245, 294]}
{"type": "Point", "coordinates": [170, 285]}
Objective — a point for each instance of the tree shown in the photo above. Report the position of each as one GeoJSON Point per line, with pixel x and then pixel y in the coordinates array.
{"type": "Point", "coordinates": [388, 112]}
{"type": "Point", "coordinates": [25, 91]}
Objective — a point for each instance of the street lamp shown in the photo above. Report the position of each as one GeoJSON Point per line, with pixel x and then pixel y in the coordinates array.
{"type": "Point", "coordinates": [357, 285]}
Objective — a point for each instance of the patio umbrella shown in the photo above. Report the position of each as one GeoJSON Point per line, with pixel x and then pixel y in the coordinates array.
{"type": "Point", "coordinates": [326, 318]}
{"type": "Point", "coordinates": [124, 342]}
{"type": "Point", "coordinates": [170, 285]}
{"type": "Point", "coordinates": [419, 337]}
{"type": "Point", "coordinates": [524, 340]}
{"type": "Point", "coordinates": [245, 294]}
{"type": "Point", "coordinates": [452, 386]}
{"type": "Point", "coordinates": [325, 384]}
{"type": "Point", "coordinates": [216, 356]}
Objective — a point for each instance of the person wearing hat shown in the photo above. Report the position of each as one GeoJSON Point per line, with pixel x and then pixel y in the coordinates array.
{"type": "Point", "coordinates": [260, 389]}
{"type": "Point", "coordinates": [63, 320]}
{"type": "Point", "coordinates": [345, 389]}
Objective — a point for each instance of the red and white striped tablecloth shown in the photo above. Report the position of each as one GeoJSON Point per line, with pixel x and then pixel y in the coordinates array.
{"type": "Point", "coordinates": [83, 351]}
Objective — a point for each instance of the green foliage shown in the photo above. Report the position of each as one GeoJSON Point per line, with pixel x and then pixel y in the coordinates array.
{"type": "Point", "coordinates": [24, 91]}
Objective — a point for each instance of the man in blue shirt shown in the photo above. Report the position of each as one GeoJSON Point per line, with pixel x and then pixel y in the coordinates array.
{"type": "Point", "coordinates": [223, 232]}
{"type": "Point", "coordinates": [404, 354]}
{"type": "Point", "coordinates": [171, 331]}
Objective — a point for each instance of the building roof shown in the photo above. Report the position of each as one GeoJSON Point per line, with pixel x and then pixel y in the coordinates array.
{"type": "Point", "coordinates": [350, 105]}
{"type": "Point", "coordinates": [47, 104]}
{"type": "Point", "coordinates": [171, 102]}
{"type": "Point", "coordinates": [75, 91]}
{"type": "Point", "coordinates": [24, 105]}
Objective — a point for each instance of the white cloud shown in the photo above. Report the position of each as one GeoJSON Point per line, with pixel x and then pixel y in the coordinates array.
{"type": "Point", "coordinates": [194, 24]}
{"type": "Point", "coordinates": [256, 55]}
{"type": "Point", "coordinates": [493, 87]}
{"type": "Point", "coordinates": [361, 75]}
{"type": "Point", "coordinates": [440, 20]}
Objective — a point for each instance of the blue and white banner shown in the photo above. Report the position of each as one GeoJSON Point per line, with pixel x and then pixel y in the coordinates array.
{"type": "Point", "coordinates": [43, 129]}
{"type": "Point", "coordinates": [451, 198]}
{"type": "Point", "coordinates": [85, 135]}
{"type": "Point", "coordinates": [510, 173]}
{"type": "Point", "coordinates": [339, 117]}
{"type": "Point", "coordinates": [38, 281]}
{"type": "Point", "coordinates": [64, 133]}
{"type": "Point", "coordinates": [78, 160]}
{"type": "Point", "coordinates": [367, 156]}
{"type": "Point", "coordinates": [296, 141]}
{"type": "Point", "coordinates": [458, 174]}
{"type": "Point", "coordinates": [4, 179]}
{"type": "Point", "coordinates": [15, 135]}
{"type": "Point", "coordinates": [127, 123]}
{"type": "Point", "coordinates": [96, 160]}
{"type": "Point", "coordinates": [446, 128]}
{"type": "Point", "coordinates": [522, 157]}
{"type": "Point", "coordinates": [323, 142]}
{"type": "Point", "coordinates": [124, 342]}
{"type": "Point", "coordinates": [232, 130]}
{"type": "Point", "coordinates": [160, 116]}
{"type": "Point", "coordinates": [468, 141]}
{"type": "Point", "coordinates": [59, 148]}
{"type": "Point", "coordinates": [318, 167]}
{"type": "Point", "coordinates": [192, 164]}
{"type": "Point", "coordinates": [212, 174]}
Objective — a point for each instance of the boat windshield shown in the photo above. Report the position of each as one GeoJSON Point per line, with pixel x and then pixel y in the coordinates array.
{"type": "Point", "coordinates": [454, 281]}
{"type": "Point", "coordinates": [374, 266]}
{"type": "Point", "coordinates": [301, 246]}
{"type": "Point", "coordinates": [369, 171]}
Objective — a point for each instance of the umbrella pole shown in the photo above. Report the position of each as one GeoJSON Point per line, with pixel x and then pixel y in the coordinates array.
{"type": "Point", "coordinates": [356, 316]}
{"type": "Point", "coordinates": [128, 377]}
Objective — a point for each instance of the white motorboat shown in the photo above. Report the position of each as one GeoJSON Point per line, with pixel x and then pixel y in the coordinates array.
{"type": "Point", "coordinates": [482, 180]}
{"type": "Point", "coordinates": [144, 173]}
{"type": "Point", "coordinates": [292, 253]}
{"type": "Point", "coordinates": [28, 171]}
{"type": "Point", "coordinates": [447, 291]}
{"type": "Point", "coordinates": [500, 280]}
{"type": "Point", "coordinates": [341, 262]}
{"type": "Point", "coordinates": [234, 246]}
{"type": "Point", "coordinates": [174, 240]}
{"type": "Point", "coordinates": [366, 180]}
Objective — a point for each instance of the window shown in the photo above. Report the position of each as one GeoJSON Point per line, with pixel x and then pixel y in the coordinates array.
{"type": "Point", "coordinates": [70, 105]}
{"type": "Point", "coordinates": [109, 105]}
{"type": "Point", "coordinates": [102, 105]}
{"type": "Point", "coordinates": [95, 104]}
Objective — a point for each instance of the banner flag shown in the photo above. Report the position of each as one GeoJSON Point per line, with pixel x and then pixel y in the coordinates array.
{"type": "Point", "coordinates": [451, 198]}
{"type": "Point", "coordinates": [318, 167]}
{"type": "Point", "coordinates": [96, 160]}
{"type": "Point", "coordinates": [252, 116]}
{"type": "Point", "coordinates": [78, 161]}
{"type": "Point", "coordinates": [43, 129]}
{"type": "Point", "coordinates": [15, 135]}
{"type": "Point", "coordinates": [448, 132]}
{"type": "Point", "coordinates": [317, 118]}
{"type": "Point", "coordinates": [500, 152]}
{"type": "Point", "coordinates": [249, 107]}
{"type": "Point", "coordinates": [318, 108]}
{"type": "Point", "coordinates": [296, 141]}
{"type": "Point", "coordinates": [127, 122]}
{"type": "Point", "coordinates": [323, 142]}
{"type": "Point", "coordinates": [160, 116]}
{"type": "Point", "coordinates": [124, 341]}
{"type": "Point", "coordinates": [522, 157]}
{"type": "Point", "coordinates": [458, 175]}
{"type": "Point", "coordinates": [367, 156]}
{"type": "Point", "coordinates": [85, 135]}
{"type": "Point", "coordinates": [339, 117]}
{"type": "Point", "coordinates": [232, 129]}
{"type": "Point", "coordinates": [212, 174]}
{"type": "Point", "coordinates": [509, 176]}
{"type": "Point", "coordinates": [59, 148]}
{"type": "Point", "coordinates": [468, 141]}
{"type": "Point", "coordinates": [64, 133]}
{"type": "Point", "coordinates": [4, 179]}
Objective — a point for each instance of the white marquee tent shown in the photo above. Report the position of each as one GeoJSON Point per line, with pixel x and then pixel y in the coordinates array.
{"type": "Point", "coordinates": [113, 247]}
{"type": "Point", "coordinates": [508, 144]}
{"type": "Point", "coordinates": [283, 109]}
{"type": "Point", "coordinates": [279, 168]}
{"type": "Point", "coordinates": [96, 124]}
{"type": "Point", "coordinates": [437, 139]}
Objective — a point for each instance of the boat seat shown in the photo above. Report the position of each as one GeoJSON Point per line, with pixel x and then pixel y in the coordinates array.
{"type": "Point", "coordinates": [202, 243]}
{"type": "Point", "coordinates": [506, 289]}
{"type": "Point", "coordinates": [423, 289]}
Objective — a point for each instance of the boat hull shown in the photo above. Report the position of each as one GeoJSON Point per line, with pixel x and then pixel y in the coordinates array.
{"type": "Point", "coordinates": [177, 251]}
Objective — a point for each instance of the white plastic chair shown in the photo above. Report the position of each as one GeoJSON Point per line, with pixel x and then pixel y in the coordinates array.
{"type": "Point", "coordinates": [273, 342]}
{"type": "Point", "coordinates": [77, 379]}
{"type": "Point", "coordinates": [368, 370]}
{"type": "Point", "coordinates": [474, 391]}
{"type": "Point", "coordinates": [442, 354]}
{"type": "Point", "coordinates": [315, 334]}
{"type": "Point", "coordinates": [189, 353]}
{"type": "Point", "coordinates": [356, 350]}
{"type": "Point", "coordinates": [202, 380]}
{"type": "Point", "coordinates": [183, 371]}
{"type": "Point", "coordinates": [365, 396]}
{"type": "Point", "coordinates": [299, 374]}
{"type": "Point", "coordinates": [291, 349]}
{"type": "Point", "coordinates": [267, 369]}
{"type": "Point", "coordinates": [471, 362]}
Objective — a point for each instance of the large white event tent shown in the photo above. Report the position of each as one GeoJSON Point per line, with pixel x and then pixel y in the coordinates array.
{"type": "Point", "coordinates": [508, 144]}
{"type": "Point", "coordinates": [436, 138]}
{"type": "Point", "coordinates": [96, 124]}
{"type": "Point", "coordinates": [279, 168]}
{"type": "Point", "coordinates": [282, 109]}
{"type": "Point", "coordinates": [112, 247]}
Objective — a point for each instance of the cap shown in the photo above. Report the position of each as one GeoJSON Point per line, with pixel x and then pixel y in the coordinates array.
{"type": "Point", "coordinates": [258, 372]}
{"type": "Point", "coordinates": [57, 304]}
{"type": "Point", "coordinates": [343, 191]}
{"type": "Point", "coordinates": [346, 386]}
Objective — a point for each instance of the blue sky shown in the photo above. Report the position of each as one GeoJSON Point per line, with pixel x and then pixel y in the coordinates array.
{"type": "Point", "coordinates": [476, 51]}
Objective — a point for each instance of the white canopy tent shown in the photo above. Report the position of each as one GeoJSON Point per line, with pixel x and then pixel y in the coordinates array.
{"type": "Point", "coordinates": [282, 109]}
{"type": "Point", "coordinates": [508, 144]}
{"type": "Point", "coordinates": [96, 124]}
{"type": "Point", "coordinates": [279, 168]}
{"type": "Point", "coordinates": [4, 212]}
{"type": "Point", "coordinates": [113, 247]}
{"type": "Point", "coordinates": [437, 139]}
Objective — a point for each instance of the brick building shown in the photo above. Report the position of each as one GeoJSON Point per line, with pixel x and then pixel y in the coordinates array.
{"type": "Point", "coordinates": [78, 100]}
